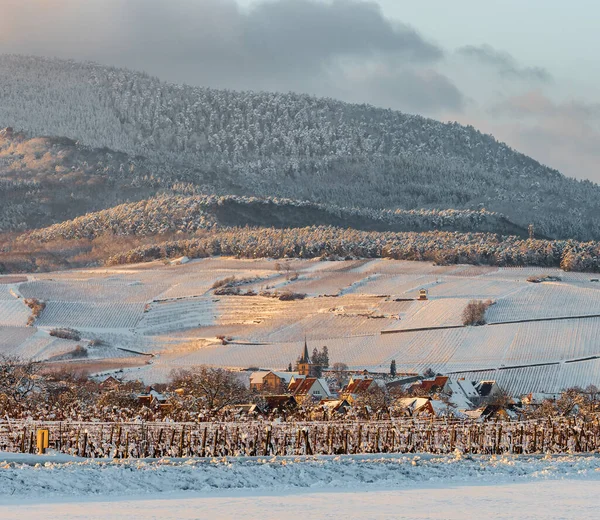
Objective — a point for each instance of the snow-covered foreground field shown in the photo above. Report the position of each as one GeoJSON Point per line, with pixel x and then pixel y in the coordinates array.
{"type": "Point", "coordinates": [567, 499]}
{"type": "Point", "coordinates": [541, 337]}
{"type": "Point", "coordinates": [342, 487]}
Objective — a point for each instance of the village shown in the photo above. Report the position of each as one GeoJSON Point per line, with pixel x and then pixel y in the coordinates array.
{"type": "Point", "coordinates": [209, 411]}
{"type": "Point", "coordinates": [309, 391]}
{"type": "Point", "coordinates": [340, 392]}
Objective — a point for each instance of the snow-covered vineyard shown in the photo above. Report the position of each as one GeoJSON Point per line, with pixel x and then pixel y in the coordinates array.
{"type": "Point", "coordinates": [241, 439]}
{"type": "Point", "coordinates": [156, 317]}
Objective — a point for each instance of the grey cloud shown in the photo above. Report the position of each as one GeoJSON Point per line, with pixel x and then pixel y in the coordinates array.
{"type": "Point", "coordinates": [565, 135]}
{"type": "Point", "coordinates": [323, 48]}
{"type": "Point", "coordinates": [313, 31]}
{"type": "Point", "coordinates": [504, 63]}
{"type": "Point", "coordinates": [427, 91]}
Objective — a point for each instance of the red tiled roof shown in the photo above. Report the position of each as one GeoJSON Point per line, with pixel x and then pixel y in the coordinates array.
{"type": "Point", "coordinates": [430, 384]}
{"type": "Point", "coordinates": [302, 386]}
{"type": "Point", "coordinates": [356, 386]}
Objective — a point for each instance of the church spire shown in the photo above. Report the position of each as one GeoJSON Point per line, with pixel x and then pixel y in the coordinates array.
{"type": "Point", "coordinates": [305, 357]}
{"type": "Point", "coordinates": [305, 367]}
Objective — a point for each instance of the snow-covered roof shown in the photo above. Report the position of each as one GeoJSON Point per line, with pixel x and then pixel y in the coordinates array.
{"type": "Point", "coordinates": [256, 378]}
{"type": "Point", "coordinates": [413, 404]}
{"type": "Point", "coordinates": [153, 394]}
{"type": "Point", "coordinates": [441, 408]}
{"type": "Point", "coordinates": [467, 388]}
{"type": "Point", "coordinates": [462, 394]}
{"type": "Point", "coordinates": [323, 382]}
{"type": "Point", "coordinates": [334, 404]}
{"type": "Point", "coordinates": [287, 376]}
{"type": "Point", "coordinates": [485, 388]}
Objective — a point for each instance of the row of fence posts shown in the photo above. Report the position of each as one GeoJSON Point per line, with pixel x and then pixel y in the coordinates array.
{"type": "Point", "coordinates": [205, 440]}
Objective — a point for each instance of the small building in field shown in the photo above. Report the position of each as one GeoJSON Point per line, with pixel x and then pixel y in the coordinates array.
{"type": "Point", "coordinates": [336, 406]}
{"type": "Point", "coordinates": [493, 412]}
{"type": "Point", "coordinates": [423, 294]}
{"type": "Point", "coordinates": [245, 409]}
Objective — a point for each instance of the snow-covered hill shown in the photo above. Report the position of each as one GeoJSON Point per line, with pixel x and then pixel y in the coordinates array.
{"type": "Point", "coordinates": [287, 145]}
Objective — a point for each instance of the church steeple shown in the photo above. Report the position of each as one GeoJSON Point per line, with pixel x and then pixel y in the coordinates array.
{"type": "Point", "coordinates": [304, 363]}
{"type": "Point", "coordinates": [305, 357]}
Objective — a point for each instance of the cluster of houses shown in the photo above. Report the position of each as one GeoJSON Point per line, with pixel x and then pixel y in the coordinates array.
{"type": "Point", "coordinates": [305, 388]}
{"type": "Point", "coordinates": [436, 396]}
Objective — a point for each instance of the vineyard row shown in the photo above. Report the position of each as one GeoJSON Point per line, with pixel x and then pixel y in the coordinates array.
{"type": "Point", "coordinates": [142, 440]}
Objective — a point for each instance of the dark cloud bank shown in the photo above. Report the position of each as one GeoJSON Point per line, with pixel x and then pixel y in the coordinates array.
{"type": "Point", "coordinates": [504, 63]}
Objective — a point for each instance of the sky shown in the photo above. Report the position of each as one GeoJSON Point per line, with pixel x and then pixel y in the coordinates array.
{"type": "Point", "coordinates": [523, 71]}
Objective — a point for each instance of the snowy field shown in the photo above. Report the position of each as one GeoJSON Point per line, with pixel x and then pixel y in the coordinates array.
{"type": "Point", "coordinates": [416, 486]}
{"type": "Point", "coordinates": [555, 500]}
{"type": "Point", "coordinates": [541, 337]}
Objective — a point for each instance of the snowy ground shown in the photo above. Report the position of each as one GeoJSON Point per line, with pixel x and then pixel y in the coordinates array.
{"type": "Point", "coordinates": [171, 312]}
{"type": "Point", "coordinates": [533, 500]}
{"type": "Point", "coordinates": [425, 486]}
{"type": "Point", "coordinates": [31, 477]}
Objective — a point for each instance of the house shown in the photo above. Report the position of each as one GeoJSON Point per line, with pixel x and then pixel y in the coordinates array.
{"type": "Point", "coordinates": [267, 380]}
{"type": "Point", "coordinates": [415, 406]}
{"type": "Point", "coordinates": [280, 403]}
{"type": "Point", "coordinates": [335, 406]}
{"type": "Point", "coordinates": [245, 409]}
{"type": "Point", "coordinates": [487, 389]}
{"type": "Point", "coordinates": [429, 386]}
{"type": "Point", "coordinates": [423, 294]}
{"type": "Point", "coordinates": [464, 395]}
{"type": "Point", "coordinates": [152, 398]}
{"type": "Point", "coordinates": [356, 386]}
{"type": "Point", "coordinates": [446, 408]}
{"type": "Point", "coordinates": [109, 383]}
{"type": "Point", "coordinates": [493, 412]}
{"type": "Point", "coordinates": [403, 383]}
{"type": "Point", "coordinates": [309, 388]}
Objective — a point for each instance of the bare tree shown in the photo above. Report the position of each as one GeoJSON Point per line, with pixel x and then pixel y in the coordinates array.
{"type": "Point", "coordinates": [340, 373]}
{"type": "Point", "coordinates": [18, 379]}
{"type": "Point", "coordinates": [374, 400]}
{"type": "Point", "coordinates": [216, 388]}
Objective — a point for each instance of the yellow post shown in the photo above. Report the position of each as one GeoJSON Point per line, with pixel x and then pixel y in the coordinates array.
{"type": "Point", "coordinates": [43, 437]}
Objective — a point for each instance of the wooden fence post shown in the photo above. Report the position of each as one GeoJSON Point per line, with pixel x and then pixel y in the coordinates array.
{"type": "Point", "coordinates": [181, 441]}
{"type": "Point", "coordinates": [204, 442]}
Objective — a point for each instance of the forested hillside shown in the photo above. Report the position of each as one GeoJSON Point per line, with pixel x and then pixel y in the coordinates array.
{"type": "Point", "coordinates": [44, 180]}
{"type": "Point", "coordinates": [198, 140]}
{"type": "Point", "coordinates": [176, 214]}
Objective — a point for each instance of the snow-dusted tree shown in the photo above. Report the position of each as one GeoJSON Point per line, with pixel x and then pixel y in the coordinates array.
{"type": "Point", "coordinates": [215, 388]}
